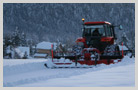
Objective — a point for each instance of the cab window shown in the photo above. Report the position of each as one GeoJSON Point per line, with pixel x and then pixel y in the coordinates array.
{"type": "Point", "coordinates": [108, 30]}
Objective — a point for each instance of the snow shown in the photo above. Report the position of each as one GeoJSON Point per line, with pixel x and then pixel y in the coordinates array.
{"type": "Point", "coordinates": [110, 77]}
{"type": "Point", "coordinates": [45, 45]}
{"type": "Point", "coordinates": [21, 51]}
{"type": "Point", "coordinates": [8, 49]}
{"type": "Point", "coordinates": [40, 54]}
{"type": "Point", "coordinates": [32, 73]}
{"type": "Point", "coordinates": [11, 62]}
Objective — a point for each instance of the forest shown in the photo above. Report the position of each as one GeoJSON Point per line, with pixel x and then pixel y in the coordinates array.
{"type": "Point", "coordinates": [54, 22]}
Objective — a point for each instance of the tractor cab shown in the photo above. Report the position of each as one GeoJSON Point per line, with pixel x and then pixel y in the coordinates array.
{"type": "Point", "coordinates": [97, 35]}
{"type": "Point", "coordinates": [97, 29]}
{"type": "Point", "coordinates": [96, 46]}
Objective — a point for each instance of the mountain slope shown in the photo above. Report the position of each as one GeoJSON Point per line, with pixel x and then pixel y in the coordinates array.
{"type": "Point", "coordinates": [62, 21]}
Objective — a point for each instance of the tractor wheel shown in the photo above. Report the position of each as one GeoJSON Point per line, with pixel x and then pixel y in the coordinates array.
{"type": "Point", "coordinates": [112, 50]}
{"type": "Point", "coordinates": [77, 50]}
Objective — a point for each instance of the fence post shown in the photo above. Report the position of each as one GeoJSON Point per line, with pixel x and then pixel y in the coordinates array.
{"type": "Point", "coordinates": [52, 51]}
{"type": "Point", "coordinates": [122, 50]}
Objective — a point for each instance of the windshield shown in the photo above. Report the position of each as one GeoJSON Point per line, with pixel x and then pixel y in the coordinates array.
{"type": "Point", "coordinates": [94, 30]}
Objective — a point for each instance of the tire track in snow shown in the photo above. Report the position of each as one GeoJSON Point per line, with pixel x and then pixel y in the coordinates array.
{"type": "Point", "coordinates": [40, 73]}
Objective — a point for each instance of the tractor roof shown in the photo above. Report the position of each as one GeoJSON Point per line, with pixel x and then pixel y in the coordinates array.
{"type": "Point", "coordinates": [97, 23]}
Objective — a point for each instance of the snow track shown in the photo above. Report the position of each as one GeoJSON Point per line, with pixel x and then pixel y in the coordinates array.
{"type": "Point", "coordinates": [33, 73]}
{"type": "Point", "coordinates": [19, 69]}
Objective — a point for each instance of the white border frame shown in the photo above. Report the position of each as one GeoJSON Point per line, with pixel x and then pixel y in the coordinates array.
{"type": "Point", "coordinates": [62, 1]}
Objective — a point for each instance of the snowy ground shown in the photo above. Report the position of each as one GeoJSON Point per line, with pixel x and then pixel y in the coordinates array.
{"type": "Point", "coordinates": [32, 73]}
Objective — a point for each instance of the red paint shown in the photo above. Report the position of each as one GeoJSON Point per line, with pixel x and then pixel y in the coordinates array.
{"type": "Point", "coordinates": [92, 62]}
{"type": "Point", "coordinates": [62, 63]}
{"type": "Point", "coordinates": [96, 23]}
{"type": "Point", "coordinates": [119, 60]}
{"type": "Point", "coordinates": [108, 39]}
{"type": "Point", "coordinates": [104, 61]}
{"type": "Point", "coordinates": [83, 40]}
{"type": "Point", "coordinates": [89, 62]}
{"type": "Point", "coordinates": [122, 50]}
{"type": "Point", "coordinates": [52, 52]}
{"type": "Point", "coordinates": [87, 56]}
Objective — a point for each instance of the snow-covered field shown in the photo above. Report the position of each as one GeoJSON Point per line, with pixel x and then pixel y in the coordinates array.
{"type": "Point", "coordinates": [32, 73]}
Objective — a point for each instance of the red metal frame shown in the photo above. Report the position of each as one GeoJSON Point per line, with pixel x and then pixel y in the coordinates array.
{"type": "Point", "coordinates": [52, 52]}
{"type": "Point", "coordinates": [103, 61]}
{"type": "Point", "coordinates": [108, 39]}
{"type": "Point", "coordinates": [83, 40]}
{"type": "Point", "coordinates": [122, 50]}
{"type": "Point", "coordinates": [97, 23]}
{"type": "Point", "coordinates": [88, 62]}
{"type": "Point", "coordinates": [62, 63]}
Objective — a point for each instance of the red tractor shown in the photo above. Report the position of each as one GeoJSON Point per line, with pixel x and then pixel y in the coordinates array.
{"type": "Point", "coordinates": [96, 46]}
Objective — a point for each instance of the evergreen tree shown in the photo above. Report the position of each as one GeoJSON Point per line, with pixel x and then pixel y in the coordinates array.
{"type": "Point", "coordinates": [16, 40]}
{"type": "Point", "coordinates": [23, 39]}
{"type": "Point", "coordinates": [7, 42]}
{"type": "Point", "coordinates": [4, 48]}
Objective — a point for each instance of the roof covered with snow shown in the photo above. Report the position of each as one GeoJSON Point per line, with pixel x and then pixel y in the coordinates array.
{"type": "Point", "coordinates": [45, 45]}
{"type": "Point", "coordinates": [21, 51]}
{"type": "Point", "coordinates": [124, 47]}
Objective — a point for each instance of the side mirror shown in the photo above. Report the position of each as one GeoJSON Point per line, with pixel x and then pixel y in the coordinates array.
{"type": "Point", "coordinates": [120, 27]}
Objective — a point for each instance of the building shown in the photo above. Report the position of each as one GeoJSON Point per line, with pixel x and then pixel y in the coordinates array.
{"type": "Point", "coordinates": [43, 49]}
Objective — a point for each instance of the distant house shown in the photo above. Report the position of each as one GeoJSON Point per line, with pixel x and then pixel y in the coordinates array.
{"type": "Point", "coordinates": [43, 49]}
